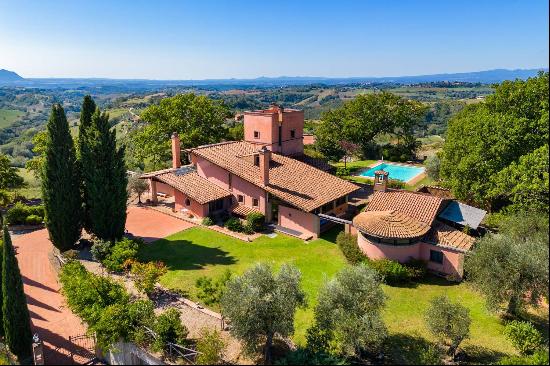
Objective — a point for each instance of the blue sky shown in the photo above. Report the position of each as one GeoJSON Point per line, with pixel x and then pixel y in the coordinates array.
{"type": "Point", "coordinates": [243, 39]}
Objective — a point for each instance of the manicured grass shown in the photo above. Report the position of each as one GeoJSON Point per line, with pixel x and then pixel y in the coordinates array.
{"type": "Point", "coordinates": [355, 165]}
{"type": "Point", "coordinates": [8, 116]}
{"type": "Point", "coordinates": [201, 252]}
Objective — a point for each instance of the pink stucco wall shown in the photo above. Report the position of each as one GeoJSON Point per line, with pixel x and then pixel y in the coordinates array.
{"type": "Point", "coordinates": [452, 260]}
{"type": "Point", "coordinates": [220, 177]}
{"type": "Point", "coordinates": [194, 207]}
{"type": "Point", "coordinates": [294, 219]}
{"type": "Point", "coordinates": [165, 188]}
{"type": "Point", "coordinates": [267, 124]}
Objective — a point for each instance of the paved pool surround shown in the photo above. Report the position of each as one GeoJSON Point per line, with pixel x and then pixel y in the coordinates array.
{"type": "Point", "coordinates": [409, 178]}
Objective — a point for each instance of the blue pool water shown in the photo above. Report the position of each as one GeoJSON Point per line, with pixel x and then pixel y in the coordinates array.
{"type": "Point", "coordinates": [398, 172]}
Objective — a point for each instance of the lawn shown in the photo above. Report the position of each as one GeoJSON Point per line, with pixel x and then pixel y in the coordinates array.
{"type": "Point", "coordinates": [201, 252]}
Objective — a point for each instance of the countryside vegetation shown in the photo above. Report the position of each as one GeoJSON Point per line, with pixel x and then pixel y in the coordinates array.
{"type": "Point", "coordinates": [325, 298]}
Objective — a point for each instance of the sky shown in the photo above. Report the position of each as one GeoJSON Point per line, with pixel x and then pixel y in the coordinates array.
{"type": "Point", "coordinates": [210, 39]}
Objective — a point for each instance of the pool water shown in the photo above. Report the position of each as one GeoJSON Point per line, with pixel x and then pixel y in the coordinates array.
{"type": "Point", "coordinates": [399, 172]}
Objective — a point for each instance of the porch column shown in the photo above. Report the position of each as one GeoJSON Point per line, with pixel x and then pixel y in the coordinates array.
{"type": "Point", "coordinates": [153, 190]}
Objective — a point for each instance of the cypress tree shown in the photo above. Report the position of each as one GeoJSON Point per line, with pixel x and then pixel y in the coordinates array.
{"type": "Point", "coordinates": [86, 112]}
{"type": "Point", "coordinates": [105, 180]}
{"type": "Point", "coordinates": [16, 318]}
{"type": "Point", "coordinates": [1, 291]}
{"type": "Point", "coordinates": [61, 183]}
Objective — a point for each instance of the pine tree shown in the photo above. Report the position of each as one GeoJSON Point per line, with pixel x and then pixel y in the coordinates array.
{"type": "Point", "coordinates": [61, 183]}
{"type": "Point", "coordinates": [86, 112]}
{"type": "Point", "coordinates": [16, 318]}
{"type": "Point", "coordinates": [105, 180]}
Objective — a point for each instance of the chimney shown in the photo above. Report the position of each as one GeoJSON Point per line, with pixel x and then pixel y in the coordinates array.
{"type": "Point", "coordinates": [176, 151]}
{"type": "Point", "coordinates": [265, 157]}
{"type": "Point", "coordinates": [381, 181]}
{"type": "Point", "coordinates": [281, 110]}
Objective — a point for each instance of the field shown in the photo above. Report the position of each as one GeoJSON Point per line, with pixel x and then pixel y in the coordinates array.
{"type": "Point", "coordinates": [8, 116]}
{"type": "Point", "coordinates": [200, 252]}
{"type": "Point", "coordinates": [32, 190]}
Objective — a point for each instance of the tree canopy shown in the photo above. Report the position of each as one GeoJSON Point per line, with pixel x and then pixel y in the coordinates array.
{"type": "Point", "coordinates": [511, 267]}
{"type": "Point", "coordinates": [486, 142]}
{"type": "Point", "coordinates": [349, 309]}
{"type": "Point", "coordinates": [9, 179]}
{"type": "Point", "coordinates": [261, 305]}
{"type": "Point", "coordinates": [360, 120]}
{"type": "Point", "coordinates": [198, 120]}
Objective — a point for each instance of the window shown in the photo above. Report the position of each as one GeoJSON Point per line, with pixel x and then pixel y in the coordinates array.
{"type": "Point", "coordinates": [436, 256]}
{"type": "Point", "coordinates": [280, 135]}
{"type": "Point", "coordinates": [240, 198]}
{"type": "Point", "coordinates": [187, 202]}
{"type": "Point", "coordinates": [381, 178]}
{"type": "Point", "coordinates": [255, 202]}
{"type": "Point", "coordinates": [292, 134]}
{"type": "Point", "coordinates": [257, 160]}
{"type": "Point", "coordinates": [256, 134]}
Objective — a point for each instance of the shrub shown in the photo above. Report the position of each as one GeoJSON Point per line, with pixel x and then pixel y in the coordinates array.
{"type": "Point", "coordinates": [169, 328]}
{"type": "Point", "coordinates": [256, 221]}
{"type": "Point", "coordinates": [393, 272]}
{"type": "Point", "coordinates": [342, 172]}
{"type": "Point", "coordinates": [540, 357]}
{"type": "Point", "coordinates": [234, 224]}
{"type": "Point", "coordinates": [146, 275]}
{"type": "Point", "coordinates": [525, 338]}
{"type": "Point", "coordinates": [18, 213]}
{"type": "Point", "coordinates": [211, 291]}
{"type": "Point", "coordinates": [397, 184]}
{"type": "Point", "coordinates": [119, 253]}
{"type": "Point", "coordinates": [100, 249]}
{"type": "Point", "coordinates": [305, 357]}
{"type": "Point", "coordinates": [247, 229]}
{"type": "Point", "coordinates": [417, 268]}
{"type": "Point", "coordinates": [207, 221]}
{"type": "Point", "coordinates": [33, 220]}
{"type": "Point", "coordinates": [211, 347]}
{"type": "Point", "coordinates": [348, 245]}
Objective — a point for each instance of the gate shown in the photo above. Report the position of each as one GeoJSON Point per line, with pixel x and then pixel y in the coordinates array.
{"type": "Point", "coordinates": [82, 349]}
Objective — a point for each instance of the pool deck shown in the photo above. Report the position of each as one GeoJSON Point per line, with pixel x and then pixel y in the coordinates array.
{"type": "Point", "coordinates": [412, 181]}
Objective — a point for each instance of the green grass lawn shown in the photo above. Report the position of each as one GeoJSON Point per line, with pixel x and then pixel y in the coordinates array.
{"type": "Point", "coordinates": [201, 252]}
{"type": "Point", "coordinates": [8, 116]}
{"type": "Point", "coordinates": [356, 165]}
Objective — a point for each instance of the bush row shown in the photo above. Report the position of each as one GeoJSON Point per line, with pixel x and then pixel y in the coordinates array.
{"type": "Point", "coordinates": [21, 214]}
{"type": "Point", "coordinates": [255, 222]}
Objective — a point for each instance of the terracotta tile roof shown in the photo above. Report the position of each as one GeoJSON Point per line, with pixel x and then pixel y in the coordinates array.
{"type": "Point", "coordinates": [242, 210]}
{"type": "Point", "coordinates": [448, 236]}
{"type": "Point", "coordinates": [293, 181]}
{"type": "Point", "coordinates": [186, 180]}
{"type": "Point", "coordinates": [390, 224]}
{"type": "Point", "coordinates": [315, 162]}
{"type": "Point", "coordinates": [422, 207]}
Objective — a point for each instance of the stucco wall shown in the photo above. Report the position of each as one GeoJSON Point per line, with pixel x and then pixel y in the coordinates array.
{"type": "Point", "coordinates": [294, 219]}
{"type": "Point", "coordinates": [194, 207]}
{"type": "Point", "coordinates": [268, 126]}
{"type": "Point", "coordinates": [400, 253]}
{"type": "Point", "coordinates": [453, 261]}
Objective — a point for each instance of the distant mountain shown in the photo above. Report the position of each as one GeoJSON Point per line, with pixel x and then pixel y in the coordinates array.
{"type": "Point", "coordinates": [7, 76]}
{"type": "Point", "coordinates": [483, 77]}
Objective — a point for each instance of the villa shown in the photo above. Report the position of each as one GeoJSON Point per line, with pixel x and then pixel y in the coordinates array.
{"type": "Point", "coordinates": [266, 173]}
{"type": "Point", "coordinates": [403, 225]}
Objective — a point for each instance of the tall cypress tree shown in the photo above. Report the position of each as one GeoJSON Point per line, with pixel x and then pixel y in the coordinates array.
{"type": "Point", "coordinates": [61, 183]}
{"type": "Point", "coordinates": [86, 112]}
{"type": "Point", "coordinates": [105, 180]}
{"type": "Point", "coordinates": [1, 291]}
{"type": "Point", "coordinates": [16, 318]}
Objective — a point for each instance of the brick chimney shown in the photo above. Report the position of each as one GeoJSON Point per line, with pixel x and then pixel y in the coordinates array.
{"type": "Point", "coordinates": [381, 181]}
{"type": "Point", "coordinates": [176, 151]}
{"type": "Point", "coordinates": [265, 157]}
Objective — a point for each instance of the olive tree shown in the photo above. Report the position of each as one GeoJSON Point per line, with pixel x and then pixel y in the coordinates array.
{"type": "Point", "coordinates": [261, 305]}
{"type": "Point", "coordinates": [349, 311]}
{"type": "Point", "coordinates": [449, 322]}
{"type": "Point", "coordinates": [511, 268]}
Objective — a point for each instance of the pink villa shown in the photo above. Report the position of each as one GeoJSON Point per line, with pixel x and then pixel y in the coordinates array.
{"type": "Point", "coordinates": [269, 173]}
{"type": "Point", "coordinates": [403, 225]}
{"type": "Point", "coordinates": [266, 173]}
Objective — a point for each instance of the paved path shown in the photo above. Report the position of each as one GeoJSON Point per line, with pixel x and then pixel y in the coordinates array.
{"type": "Point", "coordinates": [50, 317]}
{"type": "Point", "coordinates": [151, 225]}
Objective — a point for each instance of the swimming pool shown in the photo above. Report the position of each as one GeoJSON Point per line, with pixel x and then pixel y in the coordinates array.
{"type": "Point", "coordinates": [403, 173]}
